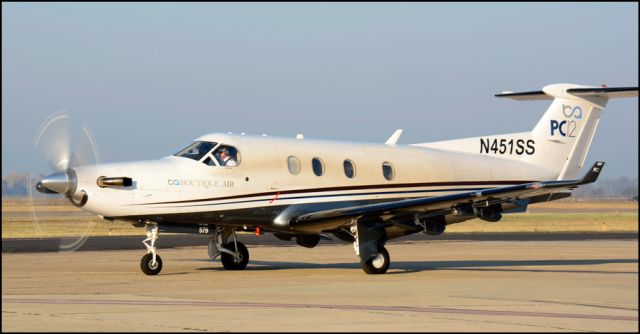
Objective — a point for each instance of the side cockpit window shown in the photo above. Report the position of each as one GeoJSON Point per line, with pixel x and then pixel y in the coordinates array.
{"type": "Point", "coordinates": [227, 156]}
{"type": "Point", "coordinates": [211, 154]}
{"type": "Point", "coordinates": [196, 150]}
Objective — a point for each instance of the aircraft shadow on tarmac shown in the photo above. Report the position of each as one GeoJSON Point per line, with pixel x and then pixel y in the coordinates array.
{"type": "Point", "coordinates": [400, 267]}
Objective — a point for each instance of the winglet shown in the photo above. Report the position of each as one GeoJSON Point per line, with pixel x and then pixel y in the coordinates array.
{"type": "Point", "coordinates": [394, 137]}
{"type": "Point", "coordinates": [593, 174]}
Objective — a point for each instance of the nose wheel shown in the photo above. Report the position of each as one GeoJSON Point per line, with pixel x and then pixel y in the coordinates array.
{"type": "Point", "coordinates": [149, 266]}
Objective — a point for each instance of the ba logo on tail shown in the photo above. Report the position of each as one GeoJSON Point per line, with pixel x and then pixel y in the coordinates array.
{"type": "Point", "coordinates": [567, 128]}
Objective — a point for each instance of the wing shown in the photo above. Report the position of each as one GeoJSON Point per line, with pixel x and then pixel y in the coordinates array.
{"type": "Point", "coordinates": [442, 205]}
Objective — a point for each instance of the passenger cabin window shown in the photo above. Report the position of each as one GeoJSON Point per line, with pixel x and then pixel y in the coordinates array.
{"type": "Point", "coordinates": [387, 170]}
{"type": "Point", "coordinates": [349, 169]}
{"type": "Point", "coordinates": [227, 156]}
{"type": "Point", "coordinates": [196, 150]}
{"type": "Point", "coordinates": [294, 165]}
{"type": "Point", "coordinates": [318, 166]}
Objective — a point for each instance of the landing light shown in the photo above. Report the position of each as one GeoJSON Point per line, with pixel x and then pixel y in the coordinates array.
{"type": "Point", "coordinates": [537, 185]}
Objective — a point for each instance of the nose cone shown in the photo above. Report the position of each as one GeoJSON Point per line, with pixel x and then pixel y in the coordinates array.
{"type": "Point", "coordinates": [61, 183]}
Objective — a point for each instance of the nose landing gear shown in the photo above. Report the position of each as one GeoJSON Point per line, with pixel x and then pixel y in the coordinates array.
{"type": "Point", "coordinates": [151, 263]}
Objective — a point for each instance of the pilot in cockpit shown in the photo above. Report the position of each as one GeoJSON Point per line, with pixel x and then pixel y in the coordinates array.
{"type": "Point", "coordinates": [225, 158]}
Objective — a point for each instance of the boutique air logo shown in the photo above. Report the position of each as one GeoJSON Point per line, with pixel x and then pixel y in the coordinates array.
{"type": "Point", "coordinates": [201, 183]}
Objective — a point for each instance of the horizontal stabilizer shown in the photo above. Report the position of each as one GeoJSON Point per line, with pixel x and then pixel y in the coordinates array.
{"type": "Point", "coordinates": [551, 91]}
{"type": "Point", "coordinates": [605, 92]}
{"type": "Point", "coordinates": [526, 96]}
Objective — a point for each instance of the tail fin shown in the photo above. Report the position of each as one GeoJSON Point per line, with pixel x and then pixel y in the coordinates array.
{"type": "Point", "coordinates": [564, 134]}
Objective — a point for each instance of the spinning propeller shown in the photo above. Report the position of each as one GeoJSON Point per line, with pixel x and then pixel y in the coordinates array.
{"type": "Point", "coordinates": [54, 140]}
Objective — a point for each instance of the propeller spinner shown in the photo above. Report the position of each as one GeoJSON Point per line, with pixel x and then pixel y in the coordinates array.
{"type": "Point", "coordinates": [59, 183]}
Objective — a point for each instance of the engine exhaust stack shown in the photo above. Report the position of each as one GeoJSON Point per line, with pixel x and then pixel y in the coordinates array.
{"type": "Point", "coordinates": [104, 182]}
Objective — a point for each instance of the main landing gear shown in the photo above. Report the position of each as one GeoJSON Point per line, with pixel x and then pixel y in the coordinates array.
{"type": "Point", "coordinates": [378, 264]}
{"type": "Point", "coordinates": [233, 254]}
{"type": "Point", "coordinates": [369, 246]}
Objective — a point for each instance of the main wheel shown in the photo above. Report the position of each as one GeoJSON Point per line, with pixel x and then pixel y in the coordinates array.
{"type": "Point", "coordinates": [378, 264]}
{"type": "Point", "coordinates": [230, 262]}
{"type": "Point", "coordinates": [148, 267]}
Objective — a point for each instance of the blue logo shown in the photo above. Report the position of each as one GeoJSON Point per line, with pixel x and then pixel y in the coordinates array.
{"type": "Point", "coordinates": [555, 125]}
{"type": "Point", "coordinates": [567, 128]}
{"type": "Point", "coordinates": [572, 112]}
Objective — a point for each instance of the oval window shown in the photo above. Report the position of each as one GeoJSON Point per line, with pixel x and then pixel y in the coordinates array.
{"type": "Point", "coordinates": [318, 166]}
{"type": "Point", "coordinates": [387, 170]}
{"type": "Point", "coordinates": [349, 168]}
{"type": "Point", "coordinates": [294, 165]}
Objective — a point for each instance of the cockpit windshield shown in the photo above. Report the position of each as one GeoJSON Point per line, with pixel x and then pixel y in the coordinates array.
{"type": "Point", "coordinates": [196, 150]}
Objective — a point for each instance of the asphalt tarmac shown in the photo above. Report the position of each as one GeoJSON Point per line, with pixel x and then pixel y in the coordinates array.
{"type": "Point", "coordinates": [532, 209]}
{"type": "Point", "coordinates": [31, 245]}
{"type": "Point", "coordinates": [432, 285]}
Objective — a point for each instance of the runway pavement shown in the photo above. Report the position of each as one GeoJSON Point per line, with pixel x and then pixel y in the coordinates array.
{"type": "Point", "coordinates": [30, 245]}
{"type": "Point", "coordinates": [436, 285]}
{"type": "Point", "coordinates": [77, 214]}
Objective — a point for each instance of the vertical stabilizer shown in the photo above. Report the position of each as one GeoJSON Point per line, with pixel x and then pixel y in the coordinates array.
{"type": "Point", "coordinates": [559, 143]}
{"type": "Point", "coordinates": [565, 132]}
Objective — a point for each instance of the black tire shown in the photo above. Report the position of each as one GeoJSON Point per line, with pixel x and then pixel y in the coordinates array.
{"type": "Point", "coordinates": [374, 267]}
{"type": "Point", "coordinates": [229, 262]}
{"type": "Point", "coordinates": [147, 267]}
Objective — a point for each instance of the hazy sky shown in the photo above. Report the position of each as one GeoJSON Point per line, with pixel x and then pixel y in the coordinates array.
{"type": "Point", "coordinates": [150, 77]}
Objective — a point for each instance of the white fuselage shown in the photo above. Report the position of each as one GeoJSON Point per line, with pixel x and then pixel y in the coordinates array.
{"type": "Point", "coordinates": [178, 185]}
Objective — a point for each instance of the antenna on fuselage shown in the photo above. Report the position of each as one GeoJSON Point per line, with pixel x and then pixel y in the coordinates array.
{"type": "Point", "coordinates": [394, 137]}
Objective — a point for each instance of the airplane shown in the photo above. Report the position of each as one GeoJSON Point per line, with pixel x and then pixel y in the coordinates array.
{"type": "Point", "coordinates": [361, 193]}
